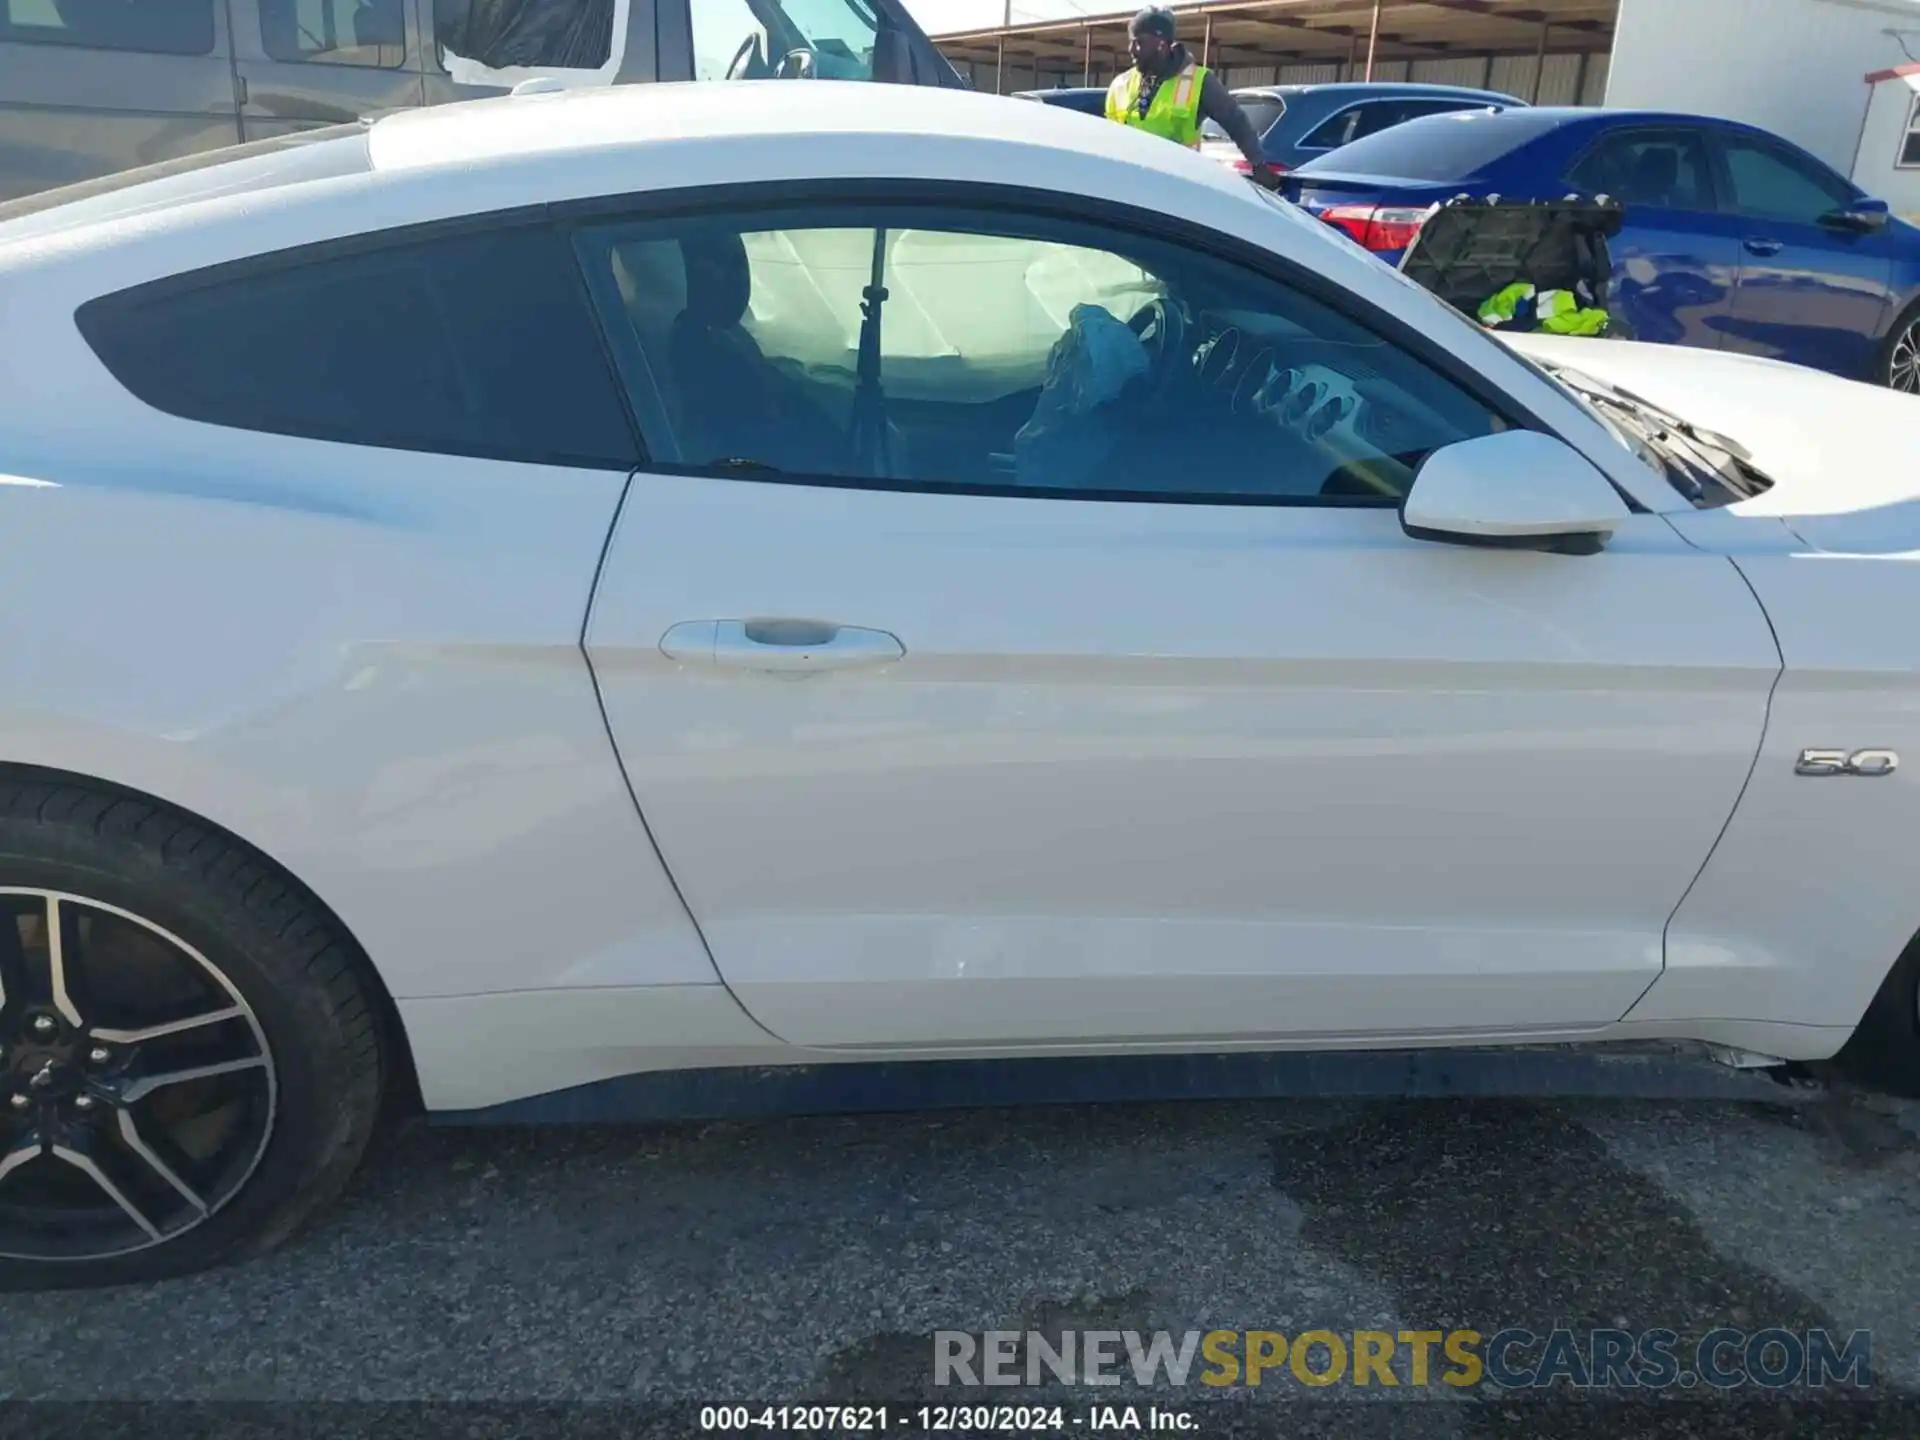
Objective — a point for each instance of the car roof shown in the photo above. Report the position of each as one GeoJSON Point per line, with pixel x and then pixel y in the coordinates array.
{"type": "Point", "coordinates": [576, 122]}
{"type": "Point", "coordinates": [512, 151]}
{"type": "Point", "coordinates": [1360, 89]}
{"type": "Point", "coordinates": [1551, 117]}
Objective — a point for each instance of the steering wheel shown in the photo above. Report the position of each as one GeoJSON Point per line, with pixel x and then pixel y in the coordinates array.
{"type": "Point", "coordinates": [1162, 328]}
{"type": "Point", "coordinates": [796, 65]}
{"type": "Point", "coordinates": [747, 63]}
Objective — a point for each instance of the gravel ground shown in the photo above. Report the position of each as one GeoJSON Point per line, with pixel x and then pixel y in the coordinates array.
{"type": "Point", "coordinates": [781, 1260]}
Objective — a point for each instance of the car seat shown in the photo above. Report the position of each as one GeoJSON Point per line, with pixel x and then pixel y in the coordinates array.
{"type": "Point", "coordinates": [734, 404]}
{"type": "Point", "coordinates": [1656, 178]}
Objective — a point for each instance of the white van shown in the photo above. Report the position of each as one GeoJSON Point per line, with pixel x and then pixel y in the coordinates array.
{"type": "Point", "coordinates": [92, 87]}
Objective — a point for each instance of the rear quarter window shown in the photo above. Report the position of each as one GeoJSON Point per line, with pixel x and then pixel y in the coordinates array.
{"type": "Point", "coordinates": [479, 344]}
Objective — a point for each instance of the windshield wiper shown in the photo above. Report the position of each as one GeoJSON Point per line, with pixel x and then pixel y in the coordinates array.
{"type": "Point", "coordinates": [1690, 456]}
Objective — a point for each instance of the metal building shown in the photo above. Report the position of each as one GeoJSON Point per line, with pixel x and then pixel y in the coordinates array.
{"type": "Point", "coordinates": [1546, 51]}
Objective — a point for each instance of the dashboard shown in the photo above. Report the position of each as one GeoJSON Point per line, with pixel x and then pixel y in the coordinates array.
{"type": "Point", "coordinates": [1266, 373]}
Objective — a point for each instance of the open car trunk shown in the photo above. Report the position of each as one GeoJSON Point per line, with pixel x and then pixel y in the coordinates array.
{"type": "Point", "coordinates": [1468, 250]}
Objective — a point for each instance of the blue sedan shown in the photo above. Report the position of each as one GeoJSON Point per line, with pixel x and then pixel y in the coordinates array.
{"type": "Point", "coordinates": [1298, 123]}
{"type": "Point", "coordinates": [1733, 238]}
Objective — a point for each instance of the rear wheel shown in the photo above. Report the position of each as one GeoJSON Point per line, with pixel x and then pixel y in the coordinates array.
{"type": "Point", "coordinates": [1900, 368]}
{"type": "Point", "coordinates": [190, 1061]}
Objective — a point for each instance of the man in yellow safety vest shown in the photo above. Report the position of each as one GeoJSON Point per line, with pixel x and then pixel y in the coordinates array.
{"type": "Point", "coordinates": [1168, 93]}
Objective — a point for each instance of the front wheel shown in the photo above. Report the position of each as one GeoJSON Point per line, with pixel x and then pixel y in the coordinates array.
{"type": "Point", "coordinates": [190, 1061]}
{"type": "Point", "coordinates": [1884, 1049]}
{"type": "Point", "coordinates": [1900, 362]}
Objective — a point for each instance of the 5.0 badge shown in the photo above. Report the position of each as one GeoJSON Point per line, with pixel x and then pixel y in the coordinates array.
{"type": "Point", "coordinates": [1846, 762]}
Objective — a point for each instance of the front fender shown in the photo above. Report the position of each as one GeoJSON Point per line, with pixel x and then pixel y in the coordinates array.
{"type": "Point", "coordinates": [1814, 889]}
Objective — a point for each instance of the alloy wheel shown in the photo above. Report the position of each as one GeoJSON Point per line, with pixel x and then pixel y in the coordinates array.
{"type": "Point", "coordinates": [1903, 365]}
{"type": "Point", "coordinates": [137, 1089]}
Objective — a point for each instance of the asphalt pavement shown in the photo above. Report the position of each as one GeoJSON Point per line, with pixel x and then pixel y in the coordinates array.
{"type": "Point", "coordinates": [641, 1268]}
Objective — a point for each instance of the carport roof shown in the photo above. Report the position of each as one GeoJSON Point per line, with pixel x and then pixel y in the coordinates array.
{"type": "Point", "coordinates": [1276, 32]}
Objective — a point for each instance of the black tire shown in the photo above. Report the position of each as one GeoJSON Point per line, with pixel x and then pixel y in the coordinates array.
{"type": "Point", "coordinates": [1901, 350]}
{"type": "Point", "coordinates": [305, 989]}
{"type": "Point", "coordinates": [1884, 1051]}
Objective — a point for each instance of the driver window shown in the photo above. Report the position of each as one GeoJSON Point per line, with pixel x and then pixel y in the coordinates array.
{"type": "Point", "coordinates": [1032, 356]}
{"type": "Point", "coordinates": [783, 39]}
{"type": "Point", "coordinates": [1765, 182]}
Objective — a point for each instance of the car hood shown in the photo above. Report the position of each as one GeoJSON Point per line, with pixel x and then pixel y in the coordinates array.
{"type": "Point", "coordinates": [1840, 453]}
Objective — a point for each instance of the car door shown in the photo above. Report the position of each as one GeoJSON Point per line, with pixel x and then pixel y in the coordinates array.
{"type": "Point", "coordinates": [1810, 292]}
{"type": "Point", "coordinates": [89, 91]}
{"type": "Point", "coordinates": [306, 63]}
{"type": "Point", "coordinates": [1676, 259]}
{"type": "Point", "coordinates": [1030, 696]}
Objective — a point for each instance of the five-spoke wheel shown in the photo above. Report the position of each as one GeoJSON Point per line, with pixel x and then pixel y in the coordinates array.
{"type": "Point", "coordinates": [191, 1057]}
{"type": "Point", "coordinates": [1903, 358]}
{"type": "Point", "coordinates": [139, 1087]}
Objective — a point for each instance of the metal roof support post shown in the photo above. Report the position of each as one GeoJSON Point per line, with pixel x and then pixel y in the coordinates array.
{"type": "Point", "coordinates": [1373, 38]}
{"type": "Point", "coordinates": [1206, 42]}
{"type": "Point", "coordinates": [1000, 60]}
{"type": "Point", "coordinates": [1086, 62]}
{"type": "Point", "coordinates": [1353, 55]}
{"type": "Point", "coordinates": [1540, 63]}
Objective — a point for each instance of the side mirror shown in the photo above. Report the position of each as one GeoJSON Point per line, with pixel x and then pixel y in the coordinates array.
{"type": "Point", "coordinates": [1862, 216]}
{"type": "Point", "coordinates": [1518, 490]}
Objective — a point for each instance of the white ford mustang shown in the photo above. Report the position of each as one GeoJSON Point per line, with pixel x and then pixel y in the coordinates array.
{"type": "Point", "coordinates": [525, 594]}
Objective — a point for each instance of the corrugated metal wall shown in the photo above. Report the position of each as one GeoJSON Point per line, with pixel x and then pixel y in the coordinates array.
{"type": "Point", "coordinates": [1566, 80]}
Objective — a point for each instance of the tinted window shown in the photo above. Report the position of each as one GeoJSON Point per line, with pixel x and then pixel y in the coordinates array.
{"type": "Point", "coordinates": [510, 34]}
{"type": "Point", "coordinates": [1375, 116]}
{"type": "Point", "coordinates": [1263, 110]}
{"type": "Point", "coordinates": [1770, 182]}
{"type": "Point", "coordinates": [1666, 168]}
{"type": "Point", "coordinates": [1030, 355]}
{"type": "Point", "coordinates": [473, 345]}
{"type": "Point", "coordinates": [1339, 129]}
{"type": "Point", "coordinates": [162, 27]}
{"type": "Point", "coordinates": [335, 32]}
{"type": "Point", "coordinates": [1438, 147]}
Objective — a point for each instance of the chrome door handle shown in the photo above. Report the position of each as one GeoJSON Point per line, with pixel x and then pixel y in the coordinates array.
{"type": "Point", "coordinates": [779, 645]}
{"type": "Point", "coordinates": [1758, 245]}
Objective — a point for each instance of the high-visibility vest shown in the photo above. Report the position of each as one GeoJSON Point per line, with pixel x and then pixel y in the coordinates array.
{"type": "Point", "coordinates": [1174, 113]}
{"type": "Point", "coordinates": [1558, 312]}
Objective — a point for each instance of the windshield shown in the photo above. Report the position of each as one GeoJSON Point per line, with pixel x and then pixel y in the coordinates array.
{"type": "Point", "coordinates": [1263, 110]}
{"type": "Point", "coordinates": [838, 30]}
{"type": "Point", "coordinates": [784, 39]}
{"type": "Point", "coordinates": [1457, 146]}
